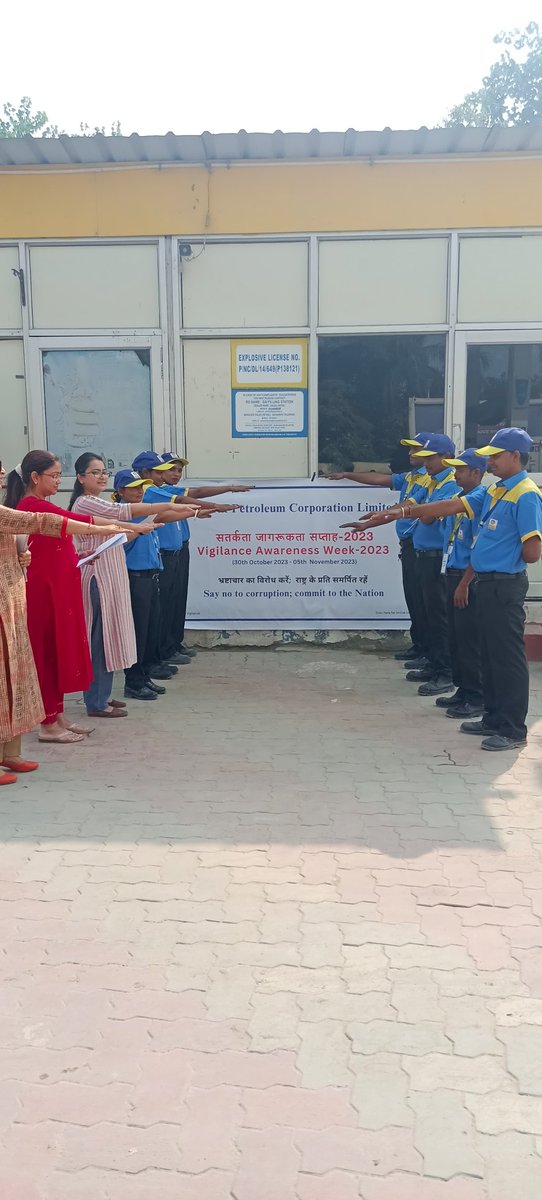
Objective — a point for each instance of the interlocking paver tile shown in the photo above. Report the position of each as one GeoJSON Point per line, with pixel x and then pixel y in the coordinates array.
{"type": "Point", "coordinates": [292, 959]}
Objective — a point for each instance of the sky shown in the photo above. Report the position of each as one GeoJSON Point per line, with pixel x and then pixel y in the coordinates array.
{"type": "Point", "coordinates": [251, 64]}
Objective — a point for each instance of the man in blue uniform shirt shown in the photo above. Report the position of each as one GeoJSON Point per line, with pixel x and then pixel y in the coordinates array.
{"type": "Point", "coordinates": [436, 677]}
{"type": "Point", "coordinates": [411, 485]}
{"type": "Point", "coordinates": [463, 631]}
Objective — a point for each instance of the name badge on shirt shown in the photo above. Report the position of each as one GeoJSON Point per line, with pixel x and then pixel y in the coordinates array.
{"type": "Point", "coordinates": [492, 523]}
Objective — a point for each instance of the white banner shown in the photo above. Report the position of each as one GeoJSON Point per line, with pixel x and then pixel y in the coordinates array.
{"type": "Point", "coordinates": [283, 562]}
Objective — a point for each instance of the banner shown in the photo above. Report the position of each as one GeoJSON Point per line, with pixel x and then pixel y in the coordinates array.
{"type": "Point", "coordinates": [283, 562]}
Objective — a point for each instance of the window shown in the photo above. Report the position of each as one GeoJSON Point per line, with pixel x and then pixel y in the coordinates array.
{"type": "Point", "coordinates": [504, 387]}
{"type": "Point", "coordinates": [374, 390]}
{"type": "Point", "coordinates": [97, 400]}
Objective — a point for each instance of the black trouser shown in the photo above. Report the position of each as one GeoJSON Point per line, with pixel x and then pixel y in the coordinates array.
{"type": "Point", "coordinates": [435, 614]}
{"type": "Point", "coordinates": [411, 588]}
{"type": "Point", "coordinates": [145, 597]}
{"type": "Point", "coordinates": [464, 638]}
{"type": "Point", "coordinates": [181, 595]}
{"type": "Point", "coordinates": [505, 674]}
{"type": "Point", "coordinates": [169, 602]}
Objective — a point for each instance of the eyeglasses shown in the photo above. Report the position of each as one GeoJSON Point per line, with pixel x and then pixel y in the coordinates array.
{"type": "Point", "coordinates": [98, 474]}
{"type": "Point", "coordinates": [53, 474]}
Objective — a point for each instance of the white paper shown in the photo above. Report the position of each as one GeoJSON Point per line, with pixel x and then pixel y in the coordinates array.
{"type": "Point", "coordinates": [118, 539]}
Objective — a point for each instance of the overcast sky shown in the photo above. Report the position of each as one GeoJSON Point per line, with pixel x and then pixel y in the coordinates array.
{"type": "Point", "coordinates": [224, 65]}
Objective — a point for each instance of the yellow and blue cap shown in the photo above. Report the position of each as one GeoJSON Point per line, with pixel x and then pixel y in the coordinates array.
{"type": "Point", "coordinates": [436, 443]}
{"type": "Point", "coordinates": [127, 478]}
{"type": "Point", "coordinates": [173, 459]}
{"type": "Point", "coordinates": [468, 458]}
{"type": "Point", "coordinates": [417, 440]}
{"type": "Point", "coordinates": [508, 439]}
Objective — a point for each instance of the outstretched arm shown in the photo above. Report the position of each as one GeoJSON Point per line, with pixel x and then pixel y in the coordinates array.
{"type": "Point", "coordinates": [424, 512]}
{"type": "Point", "coordinates": [15, 521]}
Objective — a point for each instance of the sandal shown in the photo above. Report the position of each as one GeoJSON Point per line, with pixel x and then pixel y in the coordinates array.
{"type": "Point", "coordinates": [85, 730]}
{"type": "Point", "coordinates": [8, 777]}
{"type": "Point", "coordinates": [109, 712]}
{"type": "Point", "coordinates": [20, 765]}
{"type": "Point", "coordinates": [63, 738]}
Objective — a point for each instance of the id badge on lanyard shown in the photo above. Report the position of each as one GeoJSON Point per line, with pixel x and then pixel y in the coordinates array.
{"type": "Point", "coordinates": [445, 558]}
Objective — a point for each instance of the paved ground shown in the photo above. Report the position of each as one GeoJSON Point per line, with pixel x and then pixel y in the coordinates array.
{"type": "Point", "coordinates": [276, 937]}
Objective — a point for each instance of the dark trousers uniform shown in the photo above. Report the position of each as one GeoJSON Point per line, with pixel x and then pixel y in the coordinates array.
{"type": "Point", "coordinates": [434, 608]}
{"type": "Point", "coordinates": [505, 673]}
{"type": "Point", "coordinates": [145, 597]}
{"type": "Point", "coordinates": [169, 601]}
{"type": "Point", "coordinates": [411, 588]}
{"type": "Point", "coordinates": [182, 595]}
{"type": "Point", "coordinates": [464, 639]}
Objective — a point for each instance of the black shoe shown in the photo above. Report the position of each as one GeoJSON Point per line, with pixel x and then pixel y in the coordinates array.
{"type": "Point", "coordinates": [144, 693]}
{"type": "Point", "coordinates": [477, 728]}
{"type": "Point", "coordinates": [465, 709]}
{"type": "Point", "coordinates": [450, 701]}
{"type": "Point", "coordinates": [161, 672]}
{"type": "Point", "coordinates": [187, 650]}
{"type": "Point", "coordinates": [404, 655]}
{"type": "Point", "coordinates": [436, 686]}
{"type": "Point", "coordinates": [416, 664]}
{"type": "Point", "coordinates": [423, 675]}
{"type": "Point", "coordinates": [498, 742]}
{"type": "Point", "coordinates": [178, 660]}
{"type": "Point", "coordinates": [155, 687]}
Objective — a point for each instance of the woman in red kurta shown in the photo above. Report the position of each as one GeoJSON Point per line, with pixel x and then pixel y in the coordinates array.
{"type": "Point", "coordinates": [56, 619]}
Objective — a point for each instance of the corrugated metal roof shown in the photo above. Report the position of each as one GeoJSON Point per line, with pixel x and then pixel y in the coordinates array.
{"type": "Point", "coordinates": [208, 148]}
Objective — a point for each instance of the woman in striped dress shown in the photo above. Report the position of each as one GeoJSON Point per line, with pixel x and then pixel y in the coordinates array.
{"type": "Point", "coordinates": [106, 590]}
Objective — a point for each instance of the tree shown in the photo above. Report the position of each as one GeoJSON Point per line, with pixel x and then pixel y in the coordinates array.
{"type": "Point", "coordinates": [511, 94]}
{"type": "Point", "coordinates": [20, 121]}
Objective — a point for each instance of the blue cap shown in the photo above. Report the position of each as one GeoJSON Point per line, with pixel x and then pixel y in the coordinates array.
{"type": "Point", "coordinates": [126, 478]}
{"type": "Point", "coordinates": [437, 443]}
{"type": "Point", "coordinates": [468, 458]}
{"type": "Point", "coordinates": [417, 440]}
{"type": "Point", "coordinates": [168, 457]}
{"type": "Point", "coordinates": [508, 439]}
{"type": "Point", "coordinates": [148, 460]}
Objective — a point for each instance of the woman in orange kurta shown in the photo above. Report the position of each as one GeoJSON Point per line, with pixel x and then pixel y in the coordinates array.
{"type": "Point", "coordinates": [20, 699]}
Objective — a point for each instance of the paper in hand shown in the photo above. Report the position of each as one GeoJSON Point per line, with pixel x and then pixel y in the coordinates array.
{"type": "Point", "coordinates": [118, 539]}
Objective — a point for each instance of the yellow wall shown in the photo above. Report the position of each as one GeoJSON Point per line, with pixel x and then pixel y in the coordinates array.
{"type": "Point", "coordinates": [271, 198]}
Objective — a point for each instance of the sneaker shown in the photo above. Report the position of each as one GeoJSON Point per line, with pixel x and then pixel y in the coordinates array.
{"type": "Point", "coordinates": [416, 664]}
{"type": "Point", "coordinates": [404, 655]}
{"type": "Point", "coordinates": [477, 728]}
{"type": "Point", "coordinates": [187, 650]}
{"type": "Point", "coordinates": [178, 660]}
{"type": "Point", "coordinates": [423, 675]}
{"type": "Point", "coordinates": [144, 693]}
{"type": "Point", "coordinates": [450, 701]}
{"type": "Point", "coordinates": [498, 742]}
{"type": "Point", "coordinates": [155, 687]}
{"type": "Point", "coordinates": [465, 710]}
{"type": "Point", "coordinates": [436, 686]}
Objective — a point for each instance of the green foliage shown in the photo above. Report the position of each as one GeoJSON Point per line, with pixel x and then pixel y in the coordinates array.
{"type": "Point", "coordinates": [18, 120]}
{"type": "Point", "coordinates": [511, 94]}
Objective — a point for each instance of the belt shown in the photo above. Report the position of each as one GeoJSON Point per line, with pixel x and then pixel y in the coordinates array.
{"type": "Point", "coordinates": [149, 571]}
{"type": "Point", "coordinates": [163, 552]}
{"type": "Point", "coordinates": [454, 571]}
{"type": "Point", "coordinates": [429, 553]}
{"type": "Point", "coordinates": [499, 575]}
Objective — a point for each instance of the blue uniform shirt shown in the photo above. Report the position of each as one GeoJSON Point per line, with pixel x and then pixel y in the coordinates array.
{"type": "Point", "coordinates": [512, 512]}
{"type": "Point", "coordinates": [460, 530]}
{"type": "Point", "coordinates": [170, 536]}
{"type": "Point", "coordinates": [440, 487]}
{"type": "Point", "coordinates": [161, 495]}
{"type": "Point", "coordinates": [411, 485]}
{"type": "Point", "coordinates": [143, 554]}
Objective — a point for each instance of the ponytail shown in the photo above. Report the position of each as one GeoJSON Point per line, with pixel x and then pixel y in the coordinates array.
{"type": "Point", "coordinates": [19, 480]}
{"type": "Point", "coordinates": [80, 466]}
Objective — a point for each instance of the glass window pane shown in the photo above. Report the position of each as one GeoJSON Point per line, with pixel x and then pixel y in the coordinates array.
{"type": "Point", "coordinates": [504, 387]}
{"type": "Point", "coordinates": [97, 400]}
{"type": "Point", "coordinates": [374, 390]}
